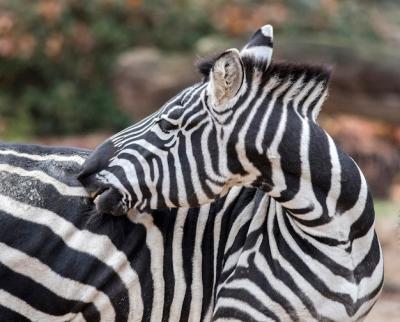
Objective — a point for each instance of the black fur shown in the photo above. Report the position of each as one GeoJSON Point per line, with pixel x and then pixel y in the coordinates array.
{"type": "Point", "coordinates": [259, 39]}
{"type": "Point", "coordinates": [293, 70]}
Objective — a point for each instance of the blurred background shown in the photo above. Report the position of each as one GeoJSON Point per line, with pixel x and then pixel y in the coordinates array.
{"type": "Point", "coordinates": [72, 72]}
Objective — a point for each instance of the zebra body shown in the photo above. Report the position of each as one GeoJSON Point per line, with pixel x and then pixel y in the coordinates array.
{"type": "Point", "coordinates": [281, 226]}
{"type": "Point", "coordinates": [238, 258]}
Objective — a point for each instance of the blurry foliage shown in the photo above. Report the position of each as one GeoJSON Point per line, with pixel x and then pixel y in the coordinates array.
{"type": "Point", "coordinates": [56, 56]}
{"type": "Point", "coordinates": [368, 20]}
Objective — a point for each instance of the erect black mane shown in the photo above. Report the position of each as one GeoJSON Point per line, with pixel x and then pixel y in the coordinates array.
{"type": "Point", "coordinates": [278, 69]}
{"type": "Point", "coordinates": [294, 70]}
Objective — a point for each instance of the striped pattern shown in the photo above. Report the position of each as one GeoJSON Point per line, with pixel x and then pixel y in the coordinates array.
{"type": "Point", "coordinates": [242, 257]}
{"type": "Point", "coordinates": [177, 156]}
{"type": "Point", "coordinates": [281, 226]}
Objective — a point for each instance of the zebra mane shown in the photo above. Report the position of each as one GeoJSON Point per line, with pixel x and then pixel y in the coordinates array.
{"type": "Point", "coordinates": [281, 70]}
{"type": "Point", "coordinates": [284, 70]}
{"type": "Point", "coordinates": [204, 64]}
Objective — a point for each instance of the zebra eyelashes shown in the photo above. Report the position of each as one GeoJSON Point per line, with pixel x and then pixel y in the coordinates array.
{"type": "Point", "coordinates": [167, 126]}
{"type": "Point", "coordinates": [171, 120]}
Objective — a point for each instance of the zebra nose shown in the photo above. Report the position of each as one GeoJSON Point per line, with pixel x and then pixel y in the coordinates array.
{"type": "Point", "coordinates": [92, 185]}
{"type": "Point", "coordinates": [109, 201]}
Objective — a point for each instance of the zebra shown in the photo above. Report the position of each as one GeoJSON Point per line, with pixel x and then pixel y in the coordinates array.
{"type": "Point", "coordinates": [61, 261]}
{"type": "Point", "coordinates": [253, 124]}
{"type": "Point", "coordinates": [240, 257]}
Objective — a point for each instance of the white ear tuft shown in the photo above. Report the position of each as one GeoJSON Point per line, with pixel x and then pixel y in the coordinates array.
{"type": "Point", "coordinates": [226, 77]}
{"type": "Point", "coordinates": [260, 45]}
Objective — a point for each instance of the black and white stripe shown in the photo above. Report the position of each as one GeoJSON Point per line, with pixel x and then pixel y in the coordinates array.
{"type": "Point", "coordinates": [298, 243]}
{"type": "Point", "coordinates": [242, 257]}
{"type": "Point", "coordinates": [253, 124]}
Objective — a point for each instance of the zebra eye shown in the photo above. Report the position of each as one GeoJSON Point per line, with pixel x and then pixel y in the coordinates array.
{"type": "Point", "coordinates": [167, 126]}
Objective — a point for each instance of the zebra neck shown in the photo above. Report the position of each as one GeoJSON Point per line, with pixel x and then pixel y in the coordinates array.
{"type": "Point", "coordinates": [323, 189]}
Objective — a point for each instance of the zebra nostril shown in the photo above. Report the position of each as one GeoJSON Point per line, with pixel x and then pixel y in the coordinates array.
{"type": "Point", "coordinates": [109, 201]}
{"type": "Point", "coordinates": [98, 192]}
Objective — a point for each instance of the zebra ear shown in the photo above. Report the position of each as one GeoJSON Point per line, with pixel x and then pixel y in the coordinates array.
{"type": "Point", "coordinates": [260, 45]}
{"type": "Point", "coordinates": [226, 77]}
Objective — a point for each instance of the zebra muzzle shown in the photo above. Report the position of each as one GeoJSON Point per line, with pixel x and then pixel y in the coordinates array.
{"type": "Point", "coordinates": [109, 201]}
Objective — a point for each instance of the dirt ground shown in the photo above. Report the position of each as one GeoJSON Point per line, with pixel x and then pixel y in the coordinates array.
{"type": "Point", "coordinates": [387, 309]}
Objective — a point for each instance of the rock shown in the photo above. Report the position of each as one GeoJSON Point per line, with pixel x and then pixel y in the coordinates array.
{"type": "Point", "coordinates": [145, 78]}
{"type": "Point", "coordinates": [372, 145]}
{"type": "Point", "coordinates": [374, 91]}
{"type": "Point", "coordinates": [361, 84]}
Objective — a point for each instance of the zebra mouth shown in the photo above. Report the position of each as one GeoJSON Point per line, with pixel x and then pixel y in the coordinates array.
{"type": "Point", "coordinates": [97, 193]}
{"type": "Point", "coordinates": [108, 200]}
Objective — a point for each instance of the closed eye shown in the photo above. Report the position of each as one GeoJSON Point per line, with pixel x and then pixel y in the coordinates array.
{"type": "Point", "coordinates": [167, 126]}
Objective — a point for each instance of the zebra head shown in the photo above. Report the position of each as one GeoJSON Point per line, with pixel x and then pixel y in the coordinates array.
{"type": "Point", "coordinates": [221, 132]}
